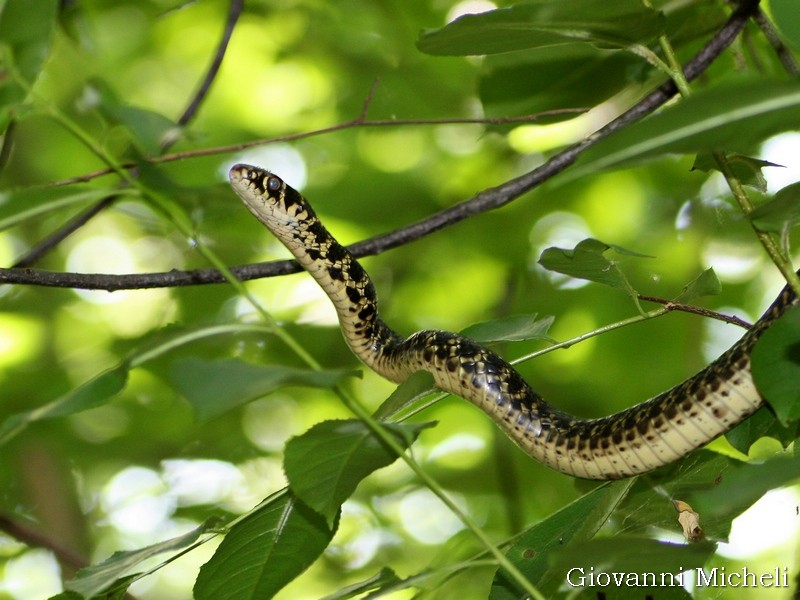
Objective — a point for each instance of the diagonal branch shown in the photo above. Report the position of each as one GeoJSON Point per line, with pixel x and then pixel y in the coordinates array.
{"type": "Point", "coordinates": [234, 12]}
{"type": "Point", "coordinates": [782, 52]}
{"type": "Point", "coordinates": [486, 200]}
{"type": "Point", "coordinates": [59, 235]}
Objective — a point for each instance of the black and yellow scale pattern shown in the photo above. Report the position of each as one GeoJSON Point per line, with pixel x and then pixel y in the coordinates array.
{"type": "Point", "coordinates": [633, 441]}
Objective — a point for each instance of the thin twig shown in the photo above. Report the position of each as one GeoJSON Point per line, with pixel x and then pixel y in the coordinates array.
{"type": "Point", "coordinates": [671, 305]}
{"type": "Point", "coordinates": [359, 121]}
{"type": "Point", "coordinates": [486, 200]}
{"type": "Point", "coordinates": [234, 12]}
{"type": "Point", "coordinates": [60, 234]}
{"type": "Point", "coordinates": [783, 53]}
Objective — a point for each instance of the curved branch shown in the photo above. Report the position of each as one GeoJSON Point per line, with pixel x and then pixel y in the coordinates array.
{"type": "Point", "coordinates": [486, 200]}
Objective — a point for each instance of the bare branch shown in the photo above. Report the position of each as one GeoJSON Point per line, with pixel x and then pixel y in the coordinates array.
{"type": "Point", "coordinates": [359, 121]}
{"type": "Point", "coordinates": [783, 53]}
{"type": "Point", "coordinates": [234, 12]}
{"type": "Point", "coordinates": [486, 200]}
{"type": "Point", "coordinates": [55, 238]}
{"type": "Point", "coordinates": [671, 305]}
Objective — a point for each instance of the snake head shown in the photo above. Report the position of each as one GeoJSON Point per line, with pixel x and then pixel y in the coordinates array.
{"type": "Point", "coordinates": [254, 180]}
{"type": "Point", "coordinates": [268, 197]}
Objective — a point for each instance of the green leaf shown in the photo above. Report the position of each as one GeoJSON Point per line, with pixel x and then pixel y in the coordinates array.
{"type": "Point", "coordinates": [91, 581]}
{"type": "Point", "coordinates": [731, 117]}
{"type": "Point", "coordinates": [101, 388]}
{"type": "Point", "coordinates": [572, 76]}
{"type": "Point", "coordinates": [532, 551]}
{"type": "Point", "coordinates": [95, 392]}
{"type": "Point", "coordinates": [264, 551]}
{"type": "Point", "coordinates": [147, 129]}
{"type": "Point", "coordinates": [21, 205]}
{"type": "Point", "coordinates": [705, 284]}
{"type": "Point", "coordinates": [381, 580]}
{"type": "Point", "coordinates": [510, 329]}
{"type": "Point", "coordinates": [409, 392]}
{"type": "Point", "coordinates": [625, 554]}
{"type": "Point", "coordinates": [648, 506]}
{"type": "Point", "coordinates": [776, 365]}
{"type": "Point", "coordinates": [542, 23]}
{"type": "Point", "coordinates": [325, 464]}
{"type": "Point", "coordinates": [214, 387]}
{"type": "Point", "coordinates": [65, 596]}
{"type": "Point", "coordinates": [781, 213]}
{"type": "Point", "coordinates": [745, 168]}
{"type": "Point", "coordinates": [760, 424]}
{"type": "Point", "coordinates": [587, 261]}
{"type": "Point", "coordinates": [742, 485]}
{"type": "Point", "coordinates": [26, 31]}
{"type": "Point", "coordinates": [787, 19]}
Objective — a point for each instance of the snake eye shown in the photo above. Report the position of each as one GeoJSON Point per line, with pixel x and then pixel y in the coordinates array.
{"type": "Point", "coordinates": [273, 183]}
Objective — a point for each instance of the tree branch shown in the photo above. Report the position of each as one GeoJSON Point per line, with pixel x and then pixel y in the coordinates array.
{"type": "Point", "coordinates": [234, 12]}
{"type": "Point", "coordinates": [359, 121]}
{"type": "Point", "coordinates": [783, 53]}
{"type": "Point", "coordinates": [671, 305]}
{"type": "Point", "coordinates": [31, 537]}
{"type": "Point", "coordinates": [486, 200]}
{"type": "Point", "coordinates": [59, 235]}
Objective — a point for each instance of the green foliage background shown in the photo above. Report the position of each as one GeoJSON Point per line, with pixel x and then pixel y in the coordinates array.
{"type": "Point", "coordinates": [167, 410]}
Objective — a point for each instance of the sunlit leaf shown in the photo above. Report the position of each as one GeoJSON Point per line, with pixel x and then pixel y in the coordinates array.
{"type": "Point", "coordinates": [325, 464]}
{"type": "Point", "coordinates": [511, 329]}
{"type": "Point", "coordinates": [776, 365]}
{"type": "Point", "coordinates": [780, 213]}
{"type": "Point", "coordinates": [731, 117]}
{"type": "Point", "coordinates": [541, 23]}
{"type": "Point", "coordinates": [264, 551]}
{"type": "Point", "coordinates": [705, 284]}
{"type": "Point", "coordinates": [98, 578]}
{"type": "Point", "coordinates": [588, 261]}
{"type": "Point", "coordinates": [533, 550]}
{"type": "Point", "coordinates": [761, 423]}
{"type": "Point", "coordinates": [214, 387]}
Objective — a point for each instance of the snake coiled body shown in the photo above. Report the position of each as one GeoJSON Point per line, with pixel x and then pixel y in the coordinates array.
{"type": "Point", "coordinates": [630, 442]}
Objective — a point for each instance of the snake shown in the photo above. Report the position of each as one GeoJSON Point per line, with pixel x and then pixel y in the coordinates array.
{"type": "Point", "coordinates": [633, 441]}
